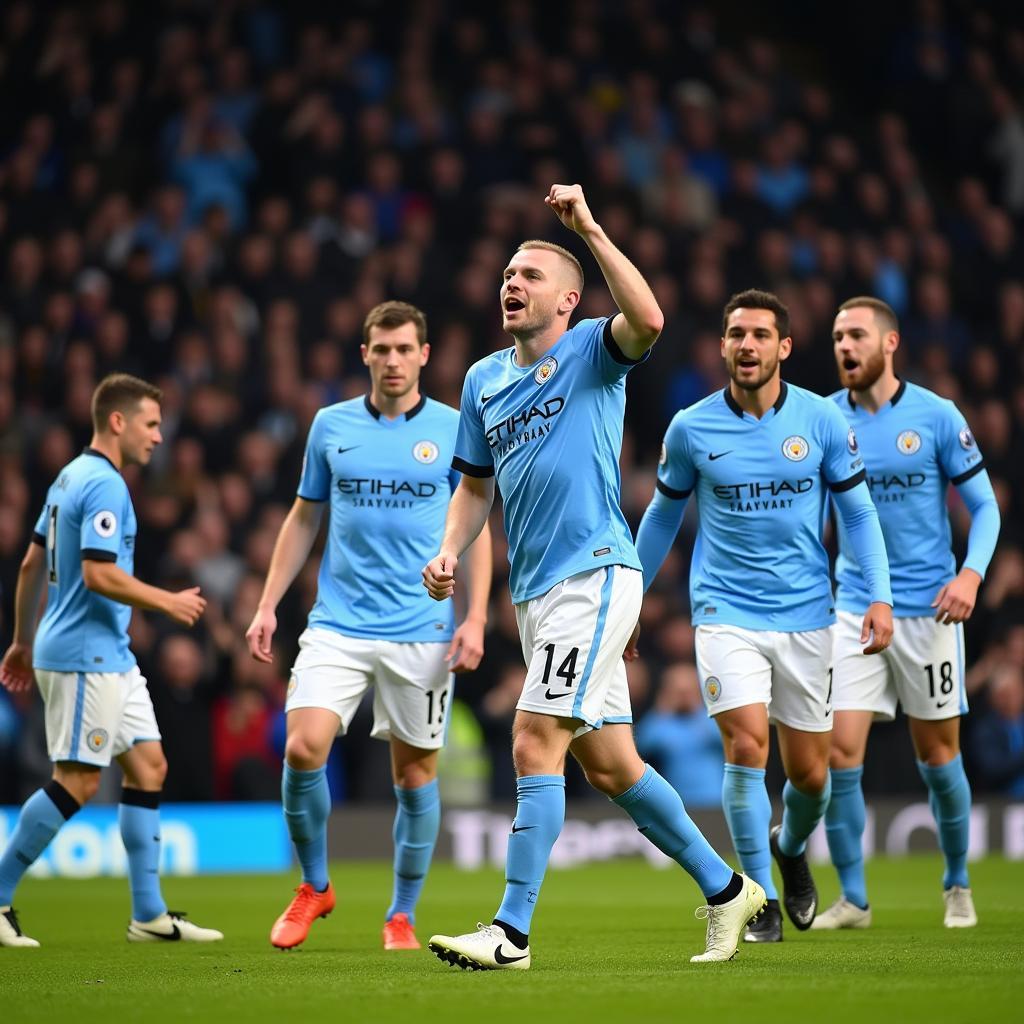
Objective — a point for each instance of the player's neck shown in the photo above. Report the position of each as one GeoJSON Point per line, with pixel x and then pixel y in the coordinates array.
{"type": "Point", "coordinates": [759, 401]}
{"type": "Point", "coordinates": [873, 398]}
{"type": "Point", "coordinates": [531, 347]}
{"type": "Point", "coordinates": [392, 408]}
{"type": "Point", "coordinates": [107, 446]}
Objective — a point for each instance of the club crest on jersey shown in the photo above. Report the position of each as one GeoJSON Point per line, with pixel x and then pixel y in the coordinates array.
{"type": "Point", "coordinates": [795, 448]}
{"type": "Point", "coordinates": [909, 442]}
{"type": "Point", "coordinates": [546, 370]}
{"type": "Point", "coordinates": [713, 689]}
{"type": "Point", "coordinates": [851, 441]}
{"type": "Point", "coordinates": [967, 441]}
{"type": "Point", "coordinates": [104, 523]}
{"type": "Point", "coordinates": [97, 739]}
{"type": "Point", "coordinates": [425, 452]}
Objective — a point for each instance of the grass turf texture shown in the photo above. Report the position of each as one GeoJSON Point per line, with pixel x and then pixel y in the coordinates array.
{"type": "Point", "coordinates": [610, 943]}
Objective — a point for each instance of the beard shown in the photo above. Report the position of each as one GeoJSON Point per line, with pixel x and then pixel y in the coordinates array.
{"type": "Point", "coordinates": [753, 383]}
{"type": "Point", "coordinates": [866, 374]}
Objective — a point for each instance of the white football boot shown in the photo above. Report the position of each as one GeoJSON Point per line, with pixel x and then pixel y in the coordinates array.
{"type": "Point", "coordinates": [842, 914]}
{"type": "Point", "coordinates": [960, 911]}
{"type": "Point", "coordinates": [726, 922]}
{"type": "Point", "coordinates": [171, 927]}
{"type": "Point", "coordinates": [11, 933]}
{"type": "Point", "coordinates": [486, 949]}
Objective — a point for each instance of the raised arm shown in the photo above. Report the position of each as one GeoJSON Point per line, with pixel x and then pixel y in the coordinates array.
{"type": "Point", "coordinates": [16, 668]}
{"type": "Point", "coordinates": [291, 550]}
{"type": "Point", "coordinates": [640, 320]}
{"type": "Point", "coordinates": [467, 514]}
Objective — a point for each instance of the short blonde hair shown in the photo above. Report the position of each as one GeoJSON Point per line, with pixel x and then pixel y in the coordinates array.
{"type": "Point", "coordinates": [577, 267]}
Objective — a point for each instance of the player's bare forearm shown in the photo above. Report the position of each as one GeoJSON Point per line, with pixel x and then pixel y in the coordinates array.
{"type": "Point", "coordinates": [467, 514]}
{"type": "Point", "coordinates": [111, 581]}
{"type": "Point", "coordinates": [27, 594]}
{"type": "Point", "coordinates": [291, 549]}
{"type": "Point", "coordinates": [476, 564]}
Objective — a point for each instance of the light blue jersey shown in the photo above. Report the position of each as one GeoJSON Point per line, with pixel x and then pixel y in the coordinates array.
{"type": "Point", "coordinates": [389, 483]}
{"type": "Point", "coordinates": [551, 434]}
{"type": "Point", "coordinates": [761, 487]}
{"type": "Point", "coordinates": [88, 515]}
{"type": "Point", "coordinates": [914, 447]}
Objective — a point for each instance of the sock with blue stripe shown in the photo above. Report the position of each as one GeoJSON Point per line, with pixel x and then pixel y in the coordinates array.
{"type": "Point", "coordinates": [800, 816]}
{"type": "Point", "coordinates": [949, 796]}
{"type": "Point", "coordinates": [40, 820]}
{"type": "Point", "coordinates": [417, 822]}
{"type": "Point", "coordinates": [138, 814]}
{"type": "Point", "coordinates": [844, 827]}
{"type": "Point", "coordinates": [306, 800]}
{"type": "Point", "coordinates": [748, 812]}
{"type": "Point", "coordinates": [540, 813]}
{"type": "Point", "coordinates": [660, 815]}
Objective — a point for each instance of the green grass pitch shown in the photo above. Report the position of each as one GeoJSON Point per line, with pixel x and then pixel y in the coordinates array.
{"type": "Point", "coordinates": [610, 943]}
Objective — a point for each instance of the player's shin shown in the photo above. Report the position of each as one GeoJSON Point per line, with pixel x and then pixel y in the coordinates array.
{"type": "Point", "coordinates": [417, 822]}
{"type": "Point", "coordinates": [41, 818]}
{"type": "Point", "coordinates": [801, 814]}
{"type": "Point", "coordinates": [139, 818]}
{"type": "Point", "coordinates": [748, 812]}
{"type": "Point", "coordinates": [660, 815]}
{"type": "Point", "coordinates": [949, 795]}
{"type": "Point", "coordinates": [844, 827]}
{"type": "Point", "coordinates": [306, 799]}
{"type": "Point", "coordinates": [540, 813]}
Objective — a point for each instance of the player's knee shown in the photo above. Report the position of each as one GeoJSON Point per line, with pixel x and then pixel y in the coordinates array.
{"type": "Point", "coordinates": [531, 754]}
{"type": "Point", "coordinates": [82, 785]}
{"type": "Point", "coordinates": [156, 770]}
{"type": "Point", "coordinates": [747, 750]}
{"type": "Point", "coordinates": [809, 778]}
{"type": "Point", "coordinates": [302, 754]}
{"type": "Point", "coordinates": [415, 774]}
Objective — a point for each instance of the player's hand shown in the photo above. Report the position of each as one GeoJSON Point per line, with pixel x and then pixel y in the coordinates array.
{"type": "Point", "coordinates": [467, 646]}
{"type": "Point", "coordinates": [186, 606]}
{"type": "Point", "coordinates": [632, 651]}
{"type": "Point", "coordinates": [260, 633]}
{"type": "Point", "coordinates": [877, 628]}
{"type": "Point", "coordinates": [956, 600]}
{"type": "Point", "coordinates": [16, 669]}
{"type": "Point", "coordinates": [571, 208]}
{"type": "Point", "coordinates": [439, 576]}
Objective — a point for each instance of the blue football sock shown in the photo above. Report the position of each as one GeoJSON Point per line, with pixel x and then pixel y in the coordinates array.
{"type": "Point", "coordinates": [949, 795]}
{"type": "Point", "coordinates": [660, 815]}
{"type": "Point", "coordinates": [749, 814]}
{"type": "Point", "coordinates": [844, 827]}
{"type": "Point", "coordinates": [40, 820]}
{"type": "Point", "coordinates": [417, 823]}
{"type": "Point", "coordinates": [307, 804]}
{"type": "Point", "coordinates": [138, 814]}
{"type": "Point", "coordinates": [800, 816]}
{"type": "Point", "coordinates": [540, 813]}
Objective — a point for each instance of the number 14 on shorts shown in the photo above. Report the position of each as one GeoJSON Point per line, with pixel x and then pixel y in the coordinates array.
{"type": "Point", "coordinates": [566, 670]}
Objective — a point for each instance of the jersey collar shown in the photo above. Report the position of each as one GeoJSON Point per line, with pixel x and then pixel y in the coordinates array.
{"type": "Point", "coordinates": [892, 401]}
{"type": "Point", "coordinates": [736, 408]}
{"type": "Point", "coordinates": [88, 450]}
{"type": "Point", "coordinates": [414, 411]}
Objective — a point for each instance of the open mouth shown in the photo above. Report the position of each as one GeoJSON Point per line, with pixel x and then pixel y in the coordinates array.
{"type": "Point", "coordinates": [748, 364]}
{"type": "Point", "coordinates": [513, 305]}
{"type": "Point", "coordinates": [850, 365]}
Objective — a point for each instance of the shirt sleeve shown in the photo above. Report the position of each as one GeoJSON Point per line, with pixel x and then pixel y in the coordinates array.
{"type": "Point", "coordinates": [841, 464]}
{"type": "Point", "coordinates": [472, 452]}
{"type": "Point", "coordinates": [103, 519]}
{"type": "Point", "coordinates": [983, 536]}
{"type": "Point", "coordinates": [677, 475]}
{"type": "Point", "coordinates": [594, 341]}
{"type": "Point", "coordinates": [315, 479]}
{"type": "Point", "coordinates": [958, 452]}
{"type": "Point", "coordinates": [39, 532]}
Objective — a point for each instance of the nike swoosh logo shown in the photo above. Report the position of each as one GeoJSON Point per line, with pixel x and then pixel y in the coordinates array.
{"type": "Point", "coordinates": [434, 735]}
{"type": "Point", "coordinates": [341, 451]}
{"type": "Point", "coordinates": [521, 828]}
{"type": "Point", "coordinates": [174, 936]}
{"type": "Point", "coordinates": [712, 456]}
{"type": "Point", "coordinates": [500, 958]}
{"type": "Point", "coordinates": [942, 703]}
{"type": "Point", "coordinates": [484, 399]}
{"type": "Point", "coordinates": [554, 696]}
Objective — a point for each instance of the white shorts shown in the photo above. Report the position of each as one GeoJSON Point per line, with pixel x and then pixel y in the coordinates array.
{"type": "Point", "coordinates": [412, 684]}
{"type": "Point", "coordinates": [788, 672]}
{"type": "Point", "coordinates": [92, 717]}
{"type": "Point", "coordinates": [922, 669]}
{"type": "Point", "coordinates": [573, 638]}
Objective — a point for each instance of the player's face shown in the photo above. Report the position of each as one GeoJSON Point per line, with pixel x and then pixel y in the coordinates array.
{"type": "Point", "coordinates": [752, 348]}
{"type": "Point", "coordinates": [141, 433]}
{"type": "Point", "coordinates": [859, 348]}
{"type": "Point", "coordinates": [395, 358]}
{"type": "Point", "coordinates": [534, 288]}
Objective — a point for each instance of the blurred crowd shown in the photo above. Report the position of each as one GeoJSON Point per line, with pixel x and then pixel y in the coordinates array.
{"type": "Point", "coordinates": [213, 195]}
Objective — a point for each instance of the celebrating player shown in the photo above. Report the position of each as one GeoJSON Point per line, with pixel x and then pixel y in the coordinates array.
{"type": "Point", "coordinates": [382, 462]}
{"type": "Point", "coordinates": [914, 445]}
{"type": "Point", "coordinates": [761, 458]}
{"type": "Point", "coordinates": [97, 704]}
{"type": "Point", "coordinates": [545, 418]}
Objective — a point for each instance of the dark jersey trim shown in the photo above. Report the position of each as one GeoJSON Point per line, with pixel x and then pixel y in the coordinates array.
{"type": "Point", "coordinates": [99, 455]}
{"type": "Point", "coordinates": [967, 474]}
{"type": "Point", "coordinates": [671, 492]}
{"type": "Point", "coordinates": [737, 409]}
{"type": "Point", "coordinates": [846, 485]}
{"type": "Point", "coordinates": [468, 469]}
{"type": "Point", "coordinates": [376, 413]}
{"type": "Point", "coordinates": [900, 391]}
{"type": "Point", "coordinates": [319, 501]}
{"type": "Point", "coordinates": [613, 347]}
{"type": "Point", "coordinates": [38, 538]}
{"type": "Point", "coordinates": [98, 555]}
